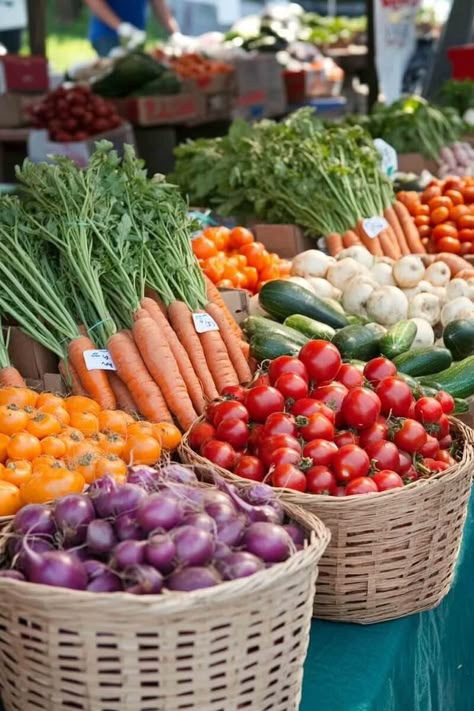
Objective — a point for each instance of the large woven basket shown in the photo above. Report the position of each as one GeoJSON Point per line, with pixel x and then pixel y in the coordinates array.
{"type": "Point", "coordinates": [390, 554]}
{"type": "Point", "coordinates": [240, 645]}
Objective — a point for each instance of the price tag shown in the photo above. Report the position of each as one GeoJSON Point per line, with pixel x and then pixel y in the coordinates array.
{"type": "Point", "coordinates": [204, 323]}
{"type": "Point", "coordinates": [99, 360]}
{"type": "Point", "coordinates": [373, 226]}
{"type": "Point", "coordinates": [389, 156]}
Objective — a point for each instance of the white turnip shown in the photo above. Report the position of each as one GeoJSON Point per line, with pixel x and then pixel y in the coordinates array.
{"type": "Point", "coordinates": [387, 305]}
{"type": "Point", "coordinates": [408, 271]}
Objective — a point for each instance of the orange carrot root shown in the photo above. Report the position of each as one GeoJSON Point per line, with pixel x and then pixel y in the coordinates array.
{"type": "Point", "coordinates": [72, 379]}
{"type": "Point", "coordinates": [334, 243]}
{"type": "Point", "coordinates": [124, 399]}
{"type": "Point", "coordinates": [234, 350]}
{"type": "Point", "coordinates": [218, 359]}
{"type": "Point", "coordinates": [214, 296]}
{"type": "Point", "coordinates": [11, 377]}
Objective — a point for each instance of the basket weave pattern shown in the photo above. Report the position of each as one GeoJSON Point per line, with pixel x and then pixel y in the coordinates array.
{"type": "Point", "coordinates": [240, 645]}
{"type": "Point", "coordinates": [390, 554]}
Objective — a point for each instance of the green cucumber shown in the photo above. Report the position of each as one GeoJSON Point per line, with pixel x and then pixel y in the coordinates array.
{"type": "Point", "coordinates": [355, 320]}
{"type": "Point", "coordinates": [359, 342]}
{"type": "Point", "coordinates": [261, 326]}
{"type": "Point", "coordinates": [460, 406]}
{"type": "Point", "coordinates": [264, 347]}
{"type": "Point", "coordinates": [457, 380]}
{"type": "Point", "coordinates": [410, 381]}
{"type": "Point", "coordinates": [458, 337]}
{"type": "Point", "coordinates": [398, 339]}
{"type": "Point", "coordinates": [423, 361]}
{"type": "Point", "coordinates": [310, 327]}
{"type": "Point", "coordinates": [282, 298]}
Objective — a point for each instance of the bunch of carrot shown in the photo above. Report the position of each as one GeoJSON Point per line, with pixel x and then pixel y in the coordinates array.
{"type": "Point", "coordinates": [398, 238]}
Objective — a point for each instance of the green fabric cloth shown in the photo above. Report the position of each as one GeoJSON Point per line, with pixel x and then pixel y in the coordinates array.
{"type": "Point", "coordinates": [424, 662]}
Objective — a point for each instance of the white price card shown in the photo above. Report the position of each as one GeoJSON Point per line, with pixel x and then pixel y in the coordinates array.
{"type": "Point", "coordinates": [373, 226]}
{"type": "Point", "coordinates": [388, 155]}
{"type": "Point", "coordinates": [204, 323]}
{"type": "Point", "coordinates": [99, 360]}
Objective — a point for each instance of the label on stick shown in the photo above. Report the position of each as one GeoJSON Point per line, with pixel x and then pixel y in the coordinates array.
{"type": "Point", "coordinates": [373, 226]}
{"type": "Point", "coordinates": [204, 323]}
{"type": "Point", "coordinates": [389, 156]}
{"type": "Point", "coordinates": [99, 360]}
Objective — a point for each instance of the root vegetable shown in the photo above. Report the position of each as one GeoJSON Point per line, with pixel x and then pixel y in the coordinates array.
{"type": "Point", "coordinates": [358, 292]}
{"type": "Point", "coordinates": [408, 271]}
{"type": "Point", "coordinates": [301, 281]}
{"type": "Point", "coordinates": [458, 288]}
{"type": "Point", "coordinates": [323, 288]}
{"type": "Point", "coordinates": [438, 274]}
{"type": "Point", "coordinates": [424, 287]}
{"type": "Point", "coordinates": [440, 292]}
{"type": "Point", "coordinates": [425, 306]}
{"type": "Point", "coordinates": [359, 254]}
{"type": "Point", "coordinates": [424, 333]}
{"type": "Point", "coordinates": [383, 274]}
{"type": "Point", "coordinates": [311, 263]}
{"type": "Point", "coordinates": [387, 305]}
{"type": "Point", "coordinates": [453, 309]}
{"type": "Point", "coordinates": [341, 273]}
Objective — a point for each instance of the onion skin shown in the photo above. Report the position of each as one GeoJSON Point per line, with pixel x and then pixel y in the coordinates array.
{"type": "Point", "coordinates": [34, 518]}
{"type": "Point", "coordinates": [143, 580]}
{"type": "Point", "coordinates": [160, 511]}
{"type": "Point", "coordinates": [73, 513]}
{"type": "Point", "coordinates": [100, 537]}
{"type": "Point", "coordinates": [268, 541]}
{"type": "Point", "coordinates": [56, 568]}
{"type": "Point", "coordinates": [193, 578]}
{"type": "Point", "coordinates": [160, 552]}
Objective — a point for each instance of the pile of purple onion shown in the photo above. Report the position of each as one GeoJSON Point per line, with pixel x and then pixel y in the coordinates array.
{"type": "Point", "coordinates": [160, 531]}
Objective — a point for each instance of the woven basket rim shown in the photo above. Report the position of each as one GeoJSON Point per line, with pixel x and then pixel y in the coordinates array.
{"type": "Point", "coordinates": [302, 498]}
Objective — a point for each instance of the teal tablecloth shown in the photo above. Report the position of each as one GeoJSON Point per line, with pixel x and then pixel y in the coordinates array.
{"type": "Point", "coordinates": [420, 663]}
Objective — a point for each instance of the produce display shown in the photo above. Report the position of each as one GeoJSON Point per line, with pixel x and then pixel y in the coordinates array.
{"type": "Point", "coordinates": [74, 114]}
{"type": "Point", "coordinates": [137, 74]}
{"type": "Point", "coordinates": [160, 530]}
{"type": "Point", "coordinates": [195, 66]}
{"type": "Point", "coordinates": [459, 95]}
{"type": "Point", "coordinates": [444, 215]}
{"type": "Point", "coordinates": [232, 258]}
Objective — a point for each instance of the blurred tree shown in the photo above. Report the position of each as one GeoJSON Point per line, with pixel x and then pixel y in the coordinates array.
{"type": "Point", "coordinates": [68, 11]}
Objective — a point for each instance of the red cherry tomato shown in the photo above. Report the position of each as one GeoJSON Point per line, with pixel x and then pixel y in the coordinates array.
{"type": "Point", "coordinates": [405, 462]}
{"type": "Point", "coordinates": [428, 410]}
{"type": "Point", "coordinates": [360, 408]}
{"type": "Point", "coordinates": [410, 475]}
{"type": "Point", "coordinates": [291, 386]}
{"type": "Point", "coordinates": [234, 392]}
{"type": "Point", "coordinates": [446, 400]}
{"type": "Point", "coordinates": [332, 395]}
{"type": "Point", "coordinates": [317, 427]}
{"type": "Point", "coordinates": [279, 423]}
{"type": "Point", "coordinates": [411, 436]}
{"type": "Point", "coordinates": [284, 365]}
{"type": "Point", "coordinates": [261, 379]}
{"type": "Point", "coordinates": [321, 359]}
{"type": "Point", "coordinates": [446, 442]}
{"type": "Point", "coordinates": [442, 427]}
{"type": "Point", "coordinates": [231, 410]}
{"type": "Point", "coordinates": [384, 455]}
{"type": "Point", "coordinates": [250, 467]}
{"type": "Point", "coordinates": [255, 437]}
{"type": "Point", "coordinates": [283, 455]}
{"type": "Point", "coordinates": [374, 433]}
{"type": "Point", "coordinates": [320, 480]}
{"type": "Point", "coordinates": [395, 396]}
{"type": "Point", "coordinates": [434, 465]}
{"type": "Point", "coordinates": [220, 453]}
{"type": "Point", "coordinates": [308, 406]}
{"type": "Point", "coordinates": [387, 479]}
{"type": "Point", "coordinates": [379, 368]}
{"type": "Point", "coordinates": [444, 456]}
{"type": "Point", "coordinates": [361, 485]}
{"type": "Point", "coordinates": [350, 376]}
{"type": "Point", "coordinates": [350, 462]}
{"type": "Point", "coordinates": [289, 477]}
{"type": "Point", "coordinates": [320, 451]}
{"type": "Point", "coordinates": [262, 401]}
{"type": "Point", "coordinates": [269, 444]}
{"type": "Point", "coordinates": [233, 431]}
{"type": "Point", "coordinates": [346, 437]}
{"type": "Point", "coordinates": [200, 433]}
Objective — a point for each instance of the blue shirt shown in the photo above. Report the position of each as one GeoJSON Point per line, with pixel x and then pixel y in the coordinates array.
{"type": "Point", "coordinates": [132, 11]}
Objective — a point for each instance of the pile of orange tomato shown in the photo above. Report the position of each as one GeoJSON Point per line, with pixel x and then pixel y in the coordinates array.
{"type": "Point", "coordinates": [52, 446]}
{"type": "Point", "coordinates": [233, 259]}
{"type": "Point", "coordinates": [444, 215]}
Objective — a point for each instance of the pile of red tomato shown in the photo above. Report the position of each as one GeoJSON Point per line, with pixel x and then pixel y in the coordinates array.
{"type": "Point", "coordinates": [316, 425]}
{"type": "Point", "coordinates": [444, 215]}
{"type": "Point", "coordinates": [232, 259]}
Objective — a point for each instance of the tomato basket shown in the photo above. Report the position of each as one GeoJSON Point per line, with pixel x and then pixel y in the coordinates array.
{"type": "Point", "coordinates": [239, 645]}
{"type": "Point", "coordinates": [391, 554]}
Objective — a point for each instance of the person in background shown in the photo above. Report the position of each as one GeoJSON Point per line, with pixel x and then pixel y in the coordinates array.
{"type": "Point", "coordinates": [115, 22]}
{"type": "Point", "coordinates": [12, 23]}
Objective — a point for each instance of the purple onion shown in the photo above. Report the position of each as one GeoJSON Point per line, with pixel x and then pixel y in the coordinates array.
{"type": "Point", "coordinates": [127, 528]}
{"type": "Point", "coordinates": [73, 513]}
{"type": "Point", "coordinates": [231, 532]}
{"type": "Point", "coordinates": [28, 545]}
{"type": "Point", "coordinates": [221, 550]}
{"type": "Point", "coordinates": [127, 554]}
{"type": "Point", "coordinates": [34, 518]}
{"type": "Point", "coordinates": [160, 511]}
{"type": "Point", "coordinates": [215, 496]}
{"type": "Point", "coordinates": [268, 541]}
{"type": "Point", "coordinates": [201, 520]}
{"type": "Point", "coordinates": [126, 499]}
{"type": "Point", "coordinates": [193, 578]}
{"type": "Point", "coordinates": [143, 580]}
{"type": "Point", "coordinates": [56, 568]}
{"type": "Point", "coordinates": [271, 511]}
{"type": "Point", "coordinates": [296, 533]}
{"type": "Point", "coordinates": [143, 476]}
{"type": "Point", "coordinates": [100, 537]}
{"type": "Point", "coordinates": [178, 474]}
{"type": "Point", "coordinates": [99, 492]}
{"type": "Point", "coordinates": [12, 574]}
{"type": "Point", "coordinates": [160, 552]}
{"type": "Point", "coordinates": [259, 494]}
{"type": "Point", "coordinates": [193, 545]}
{"type": "Point", "coordinates": [101, 578]}
{"type": "Point", "coordinates": [239, 565]}
{"type": "Point", "coordinates": [80, 552]}
{"type": "Point", "coordinates": [191, 497]}
{"type": "Point", "coordinates": [93, 567]}
{"type": "Point", "coordinates": [221, 513]}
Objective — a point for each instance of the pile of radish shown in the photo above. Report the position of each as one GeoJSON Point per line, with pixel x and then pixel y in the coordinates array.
{"type": "Point", "coordinates": [316, 425]}
{"type": "Point", "coordinates": [161, 531]}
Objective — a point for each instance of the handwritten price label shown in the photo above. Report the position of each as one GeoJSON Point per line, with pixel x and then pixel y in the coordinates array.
{"type": "Point", "coordinates": [373, 226]}
{"type": "Point", "coordinates": [99, 360]}
{"type": "Point", "coordinates": [388, 155]}
{"type": "Point", "coordinates": [204, 323]}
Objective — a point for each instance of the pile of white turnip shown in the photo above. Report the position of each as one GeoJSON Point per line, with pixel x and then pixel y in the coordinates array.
{"type": "Point", "coordinates": [387, 291]}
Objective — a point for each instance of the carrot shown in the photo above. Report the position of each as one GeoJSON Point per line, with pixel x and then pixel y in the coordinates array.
{"type": "Point", "coordinates": [94, 381]}
{"type": "Point", "coordinates": [373, 245]}
{"type": "Point", "coordinates": [70, 376]}
{"type": "Point", "coordinates": [389, 244]}
{"type": "Point", "coordinates": [350, 238]}
{"type": "Point", "coordinates": [153, 296]}
{"type": "Point", "coordinates": [124, 399]}
{"type": "Point", "coordinates": [183, 326]}
{"type": "Point", "coordinates": [245, 348]}
{"type": "Point", "coordinates": [234, 350]}
{"type": "Point", "coordinates": [218, 359]}
{"type": "Point", "coordinates": [334, 243]}
{"type": "Point", "coordinates": [409, 228]}
{"type": "Point", "coordinates": [186, 369]}
{"type": "Point", "coordinates": [392, 219]}
{"type": "Point", "coordinates": [133, 372]}
{"type": "Point", "coordinates": [214, 296]}
{"type": "Point", "coordinates": [161, 364]}
{"type": "Point", "coordinates": [11, 377]}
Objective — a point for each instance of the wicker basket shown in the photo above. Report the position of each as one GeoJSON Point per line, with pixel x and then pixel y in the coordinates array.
{"type": "Point", "coordinates": [240, 645]}
{"type": "Point", "coordinates": [392, 554]}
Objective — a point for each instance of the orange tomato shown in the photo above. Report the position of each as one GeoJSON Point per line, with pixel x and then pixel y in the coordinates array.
{"type": "Point", "coordinates": [458, 211]}
{"type": "Point", "coordinates": [79, 403]}
{"type": "Point", "coordinates": [142, 449]}
{"type": "Point", "coordinates": [453, 184]}
{"type": "Point", "coordinates": [218, 235]}
{"type": "Point", "coordinates": [21, 397]}
{"type": "Point", "coordinates": [168, 435]}
{"type": "Point", "coordinates": [43, 424]}
{"type": "Point", "coordinates": [229, 272]}
{"type": "Point", "coordinates": [421, 209]}
{"type": "Point", "coordinates": [70, 439]}
{"type": "Point", "coordinates": [422, 220]}
{"type": "Point", "coordinates": [240, 280]}
{"type": "Point", "coordinates": [85, 422]}
{"type": "Point", "coordinates": [466, 248]}
{"type": "Point", "coordinates": [113, 444]}
{"type": "Point", "coordinates": [44, 462]}
{"type": "Point", "coordinates": [468, 194]}
{"type": "Point", "coordinates": [4, 440]}
{"type": "Point", "coordinates": [466, 222]}
{"type": "Point", "coordinates": [444, 230]}
{"type": "Point", "coordinates": [449, 244]}
{"type": "Point", "coordinates": [86, 465]}
{"type": "Point", "coordinates": [440, 214]}
{"type": "Point", "coordinates": [110, 464]}
{"type": "Point", "coordinates": [430, 192]}
{"type": "Point", "coordinates": [49, 399]}
{"type": "Point", "coordinates": [59, 412]}
{"type": "Point", "coordinates": [455, 196]}
{"type": "Point", "coordinates": [440, 201]}
{"type": "Point", "coordinates": [203, 247]}
{"type": "Point", "coordinates": [23, 445]}
{"type": "Point", "coordinates": [285, 267]}
{"type": "Point", "coordinates": [10, 499]}
{"type": "Point", "coordinates": [225, 284]}
{"type": "Point", "coordinates": [17, 473]}
{"type": "Point", "coordinates": [213, 268]}
{"type": "Point", "coordinates": [466, 235]}
{"type": "Point", "coordinates": [139, 427]}
{"type": "Point", "coordinates": [240, 236]}
{"type": "Point", "coordinates": [49, 485]}
{"type": "Point", "coordinates": [53, 446]}
{"type": "Point", "coordinates": [12, 419]}
{"type": "Point", "coordinates": [112, 421]}
{"type": "Point", "coordinates": [269, 273]}
{"type": "Point", "coordinates": [82, 449]}
{"type": "Point", "coordinates": [251, 276]}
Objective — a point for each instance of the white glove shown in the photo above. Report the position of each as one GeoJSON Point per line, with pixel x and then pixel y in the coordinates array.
{"type": "Point", "coordinates": [130, 35]}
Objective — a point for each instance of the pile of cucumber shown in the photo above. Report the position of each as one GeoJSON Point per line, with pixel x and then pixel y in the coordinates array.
{"type": "Point", "coordinates": [295, 315]}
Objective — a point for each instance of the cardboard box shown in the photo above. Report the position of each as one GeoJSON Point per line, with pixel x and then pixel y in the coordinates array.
{"type": "Point", "coordinates": [260, 90]}
{"type": "Point", "coordinates": [24, 74]}
{"type": "Point", "coordinates": [50, 382]}
{"type": "Point", "coordinates": [159, 110]}
{"type": "Point", "coordinates": [15, 109]}
{"type": "Point", "coordinates": [41, 148]}
{"type": "Point", "coordinates": [216, 107]}
{"type": "Point", "coordinates": [237, 301]}
{"type": "Point", "coordinates": [285, 240]}
{"type": "Point", "coordinates": [212, 84]}
{"type": "Point", "coordinates": [29, 357]}
{"type": "Point", "coordinates": [416, 163]}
